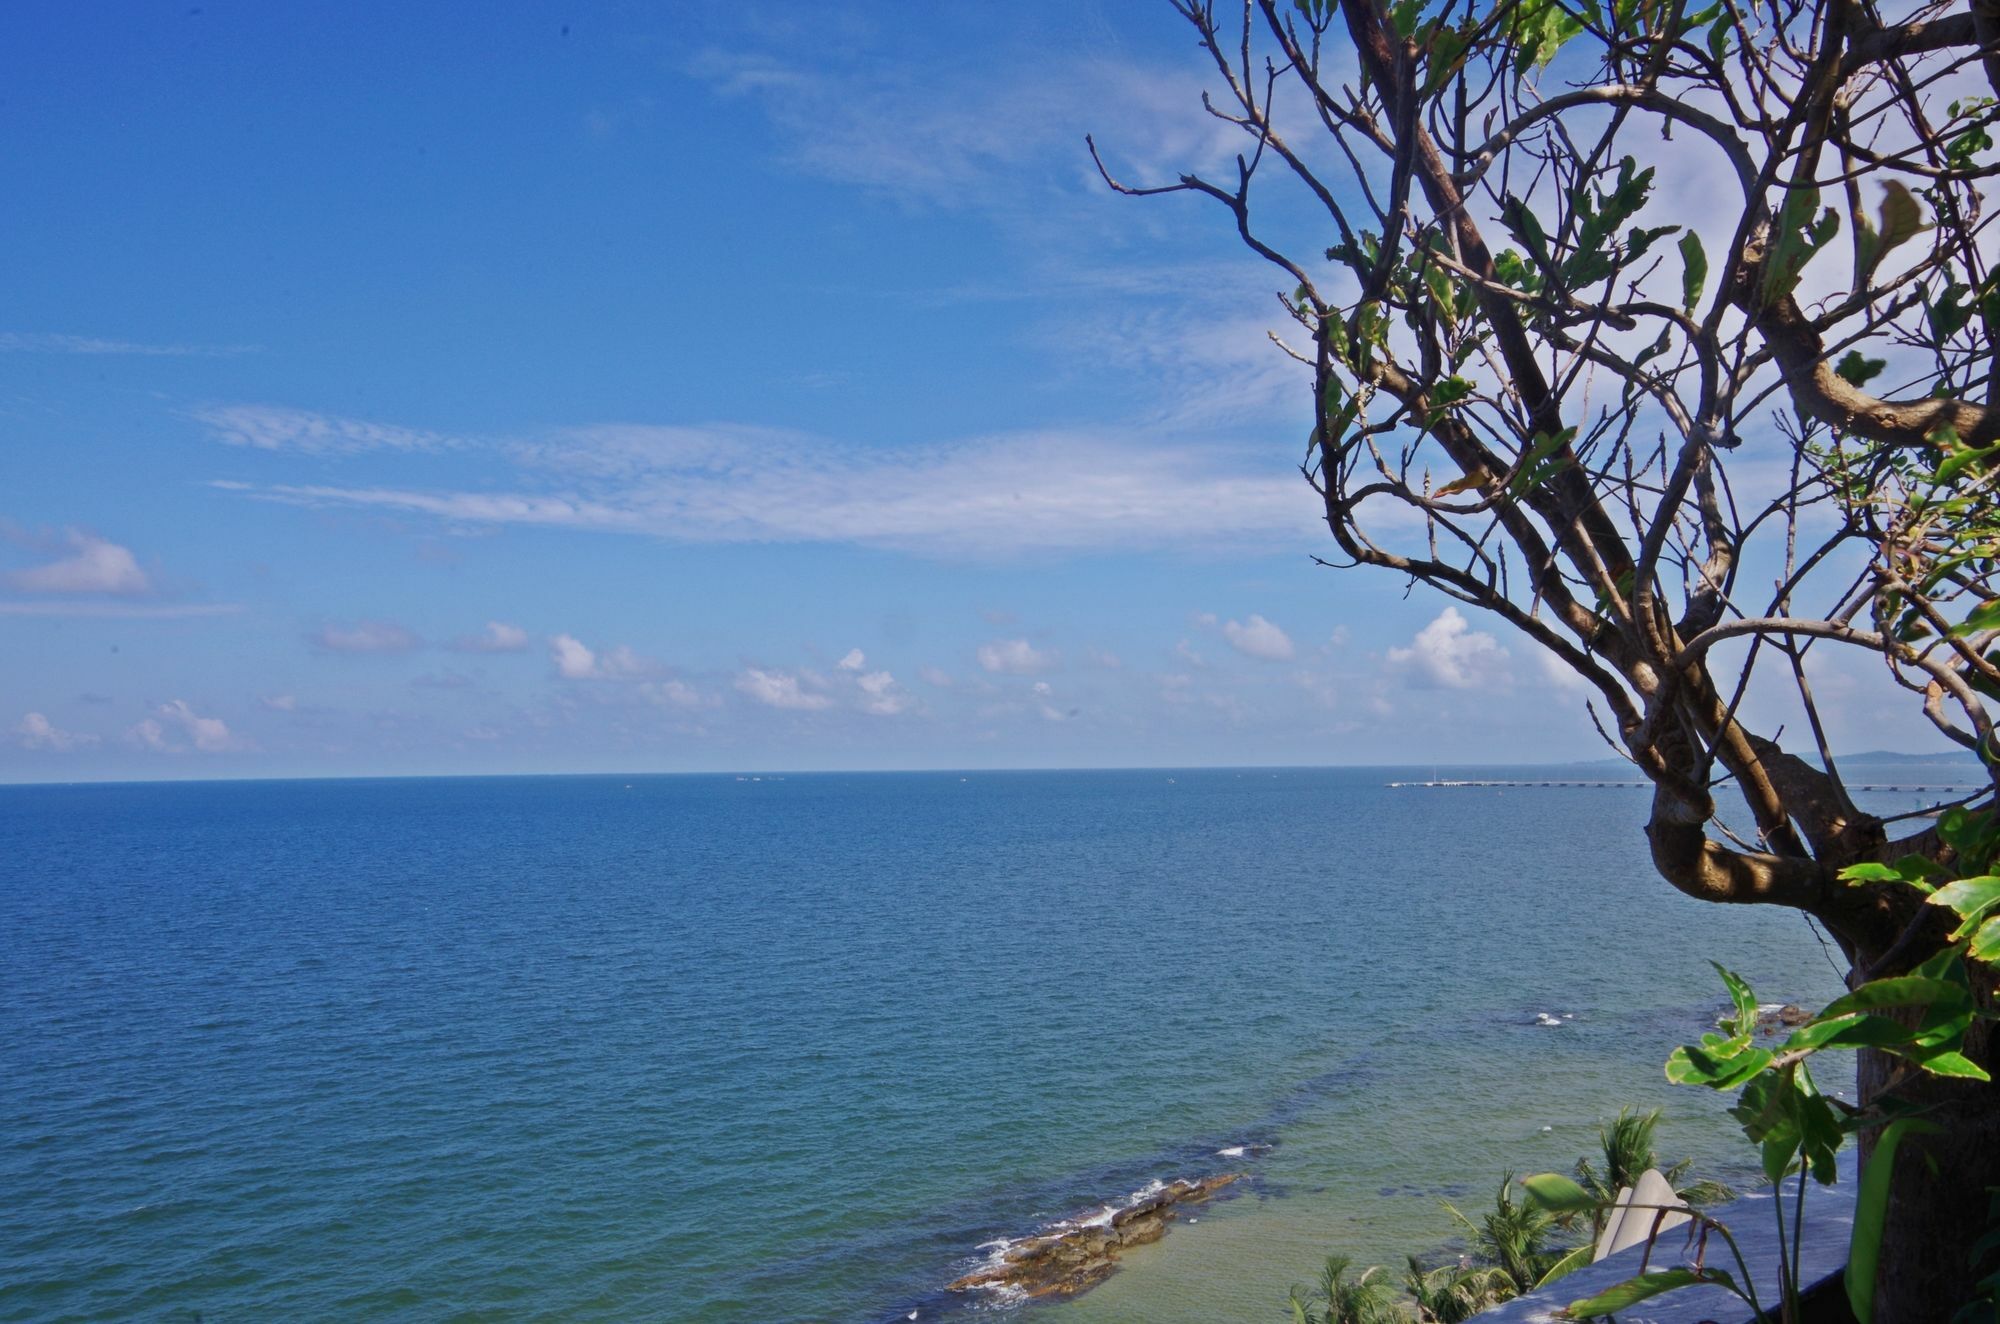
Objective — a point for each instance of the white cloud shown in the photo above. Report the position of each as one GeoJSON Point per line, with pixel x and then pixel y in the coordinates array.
{"type": "Point", "coordinates": [497, 637]}
{"type": "Point", "coordinates": [1450, 654]}
{"type": "Point", "coordinates": [575, 660]}
{"type": "Point", "coordinates": [885, 697]}
{"type": "Point", "coordinates": [37, 732]}
{"type": "Point", "coordinates": [854, 660]}
{"type": "Point", "coordinates": [935, 677]}
{"type": "Point", "coordinates": [94, 565]}
{"type": "Point", "coordinates": [1044, 701]}
{"type": "Point", "coordinates": [983, 497]}
{"type": "Point", "coordinates": [122, 611]}
{"type": "Point", "coordinates": [780, 689]}
{"type": "Point", "coordinates": [271, 428]}
{"type": "Point", "coordinates": [1260, 639]}
{"type": "Point", "coordinates": [207, 735]}
{"type": "Point", "coordinates": [1014, 657]}
{"type": "Point", "coordinates": [672, 694]}
{"type": "Point", "coordinates": [55, 342]}
{"type": "Point", "coordinates": [149, 734]}
{"type": "Point", "coordinates": [280, 703]}
{"type": "Point", "coordinates": [364, 637]}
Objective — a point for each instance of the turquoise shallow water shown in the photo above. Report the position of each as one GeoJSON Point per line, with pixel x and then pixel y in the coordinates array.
{"type": "Point", "coordinates": [703, 1048]}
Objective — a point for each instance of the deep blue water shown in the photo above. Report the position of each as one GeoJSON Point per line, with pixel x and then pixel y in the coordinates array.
{"type": "Point", "coordinates": [706, 1048]}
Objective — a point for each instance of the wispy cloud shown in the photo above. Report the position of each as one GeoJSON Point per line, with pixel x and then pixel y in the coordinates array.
{"type": "Point", "coordinates": [123, 611]}
{"type": "Point", "coordinates": [1009, 494]}
{"type": "Point", "coordinates": [497, 637]}
{"type": "Point", "coordinates": [364, 637]}
{"type": "Point", "coordinates": [52, 342]}
{"type": "Point", "coordinates": [883, 123]}
{"type": "Point", "coordinates": [94, 566]}
{"type": "Point", "coordinates": [271, 428]}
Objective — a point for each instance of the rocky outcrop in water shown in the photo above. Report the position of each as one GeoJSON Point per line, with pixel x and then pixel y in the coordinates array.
{"type": "Point", "coordinates": [1074, 1256]}
{"type": "Point", "coordinates": [1779, 1019]}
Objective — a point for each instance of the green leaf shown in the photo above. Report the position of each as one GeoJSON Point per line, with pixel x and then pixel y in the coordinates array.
{"type": "Point", "coordinates": [1949, 312]}
{"type": "Point", "coordinates": [1986, 943]}
{"type": "Point", "coordinates": [1985, 616]}
{"type": "Point", "coordinates": [1960, 459]}
{"type": "Point", "coordinates": [1449, 392]}
{"type": "Point", "coordinates": [1540, 461]}
{"type": "Point", "coordinates": [1852, 1031]}
{"type": "Point", "coordinates": [1634, 1290]}
{"type": "Point", "coordinates": [1902, 219]}
{"type": "Point", "coordinates": [1525, 226]}
{"type": "Point", "coordinates": [1694, 270]}
{"type": "Point", "coordinates": [1948, 1063]}
{"type": "Point", "coordinates": [1900, 991]}
{"type": "Point", "coordinates": [1567, 1265]}
{"type": "Point", "coordinates": [1691, 1065]}
{"type": "Point", "coordinates": [1858, 370]}
{"type": "Point", "coordinates": [1800, 231]}
{"type": "Point", "coordinates": [1740, 994]}
{"type": "Point", "coordinates": [1970, 898]}
{"type": "Point", "coordinates": [1871, 1213]}
{"type": "Point", "coordinates": [1558, 1194]}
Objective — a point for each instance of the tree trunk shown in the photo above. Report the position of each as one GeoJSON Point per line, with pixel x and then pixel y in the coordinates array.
{"type": "Point", "coordinates": [1939, 1196]}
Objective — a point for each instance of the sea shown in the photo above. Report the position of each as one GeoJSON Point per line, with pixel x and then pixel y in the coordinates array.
{"type": "Point", "coordinates": [807, 1047]}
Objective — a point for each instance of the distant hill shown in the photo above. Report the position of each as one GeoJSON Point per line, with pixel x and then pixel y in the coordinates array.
{"type": "Point", "coordinates": [1942, 756]}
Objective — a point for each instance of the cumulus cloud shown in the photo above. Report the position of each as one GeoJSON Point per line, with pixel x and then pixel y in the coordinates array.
{"type": "Point", "coordinates": [94, 565]}
{"type": "Point", "coordinates": [1260, 639]}
{"type": "Point", "coordinates": [1449, 654]}
{"type": "Point", "coordinates": [149, 734]}
{"type": "Point", "coordinates": [364, 637]}
{"type": "Point", "coordinates": [884, 698]}
{"type": "Point", "coordinates": [497, 637]}
{"type": "Point", "coordinates": [572, 657]}
{"type": "Point", "coordinates": [175, 726]}
{"type": "Point", "coordinates": [854, 660]}
{"type": "Point", "coordinates": [1014, 657]}
{"type": "Point", "coordinates": [35, 731]}
{"type": "Point", "coordinates": [936, 677]}
{"type": "Point", "coordinates": [780, 689]}
{"type": "Point", "coordinates": [575, 660]}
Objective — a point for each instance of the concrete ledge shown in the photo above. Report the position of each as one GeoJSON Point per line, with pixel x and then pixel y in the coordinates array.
{"type": "Point", "coordinates": [1823, 1254]}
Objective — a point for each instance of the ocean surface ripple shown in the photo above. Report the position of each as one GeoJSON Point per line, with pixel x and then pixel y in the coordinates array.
{"type": "Point", "coordinates": [697, 1048]}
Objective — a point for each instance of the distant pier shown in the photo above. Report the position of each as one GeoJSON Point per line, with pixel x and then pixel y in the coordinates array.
{"type": "Point", "coordinates": [1454, 784]}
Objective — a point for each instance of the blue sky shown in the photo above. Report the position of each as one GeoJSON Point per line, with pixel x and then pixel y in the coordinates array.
{"type": "Point", "coordinates": [385, 389]}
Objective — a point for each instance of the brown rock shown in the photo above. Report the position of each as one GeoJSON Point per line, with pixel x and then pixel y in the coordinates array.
{"type": "Point", "coordinates": [1079, 1256]}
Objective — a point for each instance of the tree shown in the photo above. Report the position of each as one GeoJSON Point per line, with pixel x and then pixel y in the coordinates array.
{"type": "Point", "coordinates": [1685, 440]}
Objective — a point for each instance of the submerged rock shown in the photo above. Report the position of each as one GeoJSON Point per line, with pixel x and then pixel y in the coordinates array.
{"type": "Point", "coordinates": [1786, 1017]}
{"type": "Point", "coordinates": [1078, 1255]}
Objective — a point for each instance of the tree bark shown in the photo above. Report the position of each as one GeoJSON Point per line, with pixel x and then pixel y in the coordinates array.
{"type": "Point", "coordinates": [1939, 1194]}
